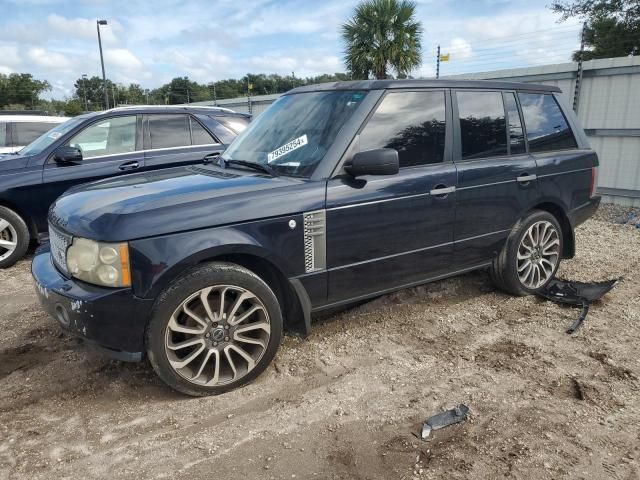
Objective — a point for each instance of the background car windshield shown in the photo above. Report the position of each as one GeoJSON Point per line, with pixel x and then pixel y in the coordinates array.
{"type": "Point", "coordinates": [293, 135]}
{"type": "Point", "coordinates": [46, 139]}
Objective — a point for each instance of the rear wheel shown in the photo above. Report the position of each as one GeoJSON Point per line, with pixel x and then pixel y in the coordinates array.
{"type": "Point", "coordinates": [531, 255]}
{"type": "Point", "coordinates": [14, 237]}
{"type": "Point", "coordinates": [214, 329]}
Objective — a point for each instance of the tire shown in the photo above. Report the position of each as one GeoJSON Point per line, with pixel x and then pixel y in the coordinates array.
{"type": "Point", "coordinates": [14, 237]}
{"type": "Point", "coordinates": [538, 237]}
{"type": "Point", "coordinates": [181, 325]}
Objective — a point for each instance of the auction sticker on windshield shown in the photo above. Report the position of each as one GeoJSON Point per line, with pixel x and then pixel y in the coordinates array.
{"type": "Point", "coordinates": [286, 148]}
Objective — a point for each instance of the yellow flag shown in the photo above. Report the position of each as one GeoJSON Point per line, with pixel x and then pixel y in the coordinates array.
{"type": "Point", "coordinates": [444, 58]}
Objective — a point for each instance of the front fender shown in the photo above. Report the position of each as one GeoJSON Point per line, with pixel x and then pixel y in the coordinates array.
{"type": "Point", "coordinates": [157, 261]}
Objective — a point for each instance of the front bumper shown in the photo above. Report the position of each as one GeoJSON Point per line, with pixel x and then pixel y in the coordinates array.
{"type": "Point", "coordinates": [112, 320]}
{"type": "Point", "coordinates": [584, 212]}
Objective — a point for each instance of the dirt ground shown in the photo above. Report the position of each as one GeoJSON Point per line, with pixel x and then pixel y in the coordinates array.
{"type": "Point", "coordinates": [348, 401]}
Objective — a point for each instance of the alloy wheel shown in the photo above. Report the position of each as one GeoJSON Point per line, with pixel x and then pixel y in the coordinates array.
{"type": "Point", "coordinates": [538, 254]}
{"type": "Point", "coordinates": [217, 335]}
{"type": "Point", "coordinates": [8, 239]}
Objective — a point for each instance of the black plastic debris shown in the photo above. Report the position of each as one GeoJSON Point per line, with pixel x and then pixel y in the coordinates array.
{"type": "Point", "coordinates": [576, 294]}
{"type": "Point", "coordinates": [444, 419]}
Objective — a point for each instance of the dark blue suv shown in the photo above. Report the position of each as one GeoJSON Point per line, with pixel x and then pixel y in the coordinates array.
{"type": "Point", "coordinates": [97, 145]}
{"type": "Point", "coordinates": [337, 193]}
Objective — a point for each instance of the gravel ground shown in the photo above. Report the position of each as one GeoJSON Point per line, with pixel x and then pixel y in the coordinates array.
{"type": "Point", "coordinates": [348, 401]}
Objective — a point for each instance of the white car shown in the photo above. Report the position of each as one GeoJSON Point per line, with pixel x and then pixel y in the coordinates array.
{"type": "Point", "coordinates": [17, 131]}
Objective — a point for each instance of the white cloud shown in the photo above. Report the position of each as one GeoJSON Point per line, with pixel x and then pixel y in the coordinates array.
{"type": "Point", "coordinates": [9, 55]}
{"type": "Point", "coordinates": [122, 58]}
{"type": "Point", "coordinates": [48, 59]}
{"type": "Point", "coordinates": [84, 28]}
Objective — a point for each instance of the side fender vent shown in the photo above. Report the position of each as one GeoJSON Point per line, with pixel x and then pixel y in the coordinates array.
{"type": "Point", "coordinates": [315, 241]}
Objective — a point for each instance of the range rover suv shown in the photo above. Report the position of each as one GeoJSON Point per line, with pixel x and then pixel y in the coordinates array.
{"type": "Point", "coordinates": [336, 193]}
{"type": "Point", "coordinates": [97, 145]}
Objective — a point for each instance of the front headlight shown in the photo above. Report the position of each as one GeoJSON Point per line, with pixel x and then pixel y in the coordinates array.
{"type": "Point", "coordinates": [105, 264]}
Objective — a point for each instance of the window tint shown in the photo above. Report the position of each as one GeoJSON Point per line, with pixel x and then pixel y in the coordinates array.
{"type": "Point", "coordinates": [516, 134]}
{"type": "Point", "coordinates": [482, 124]}
{"type": "Point", "coordinates": [26, 132]}
{"type": "Point", "coordinates": [116, 135]}
{"type": "Point", "coordinates": [169, 131]}
{"type": "Point", "coordinates": [199, 136]}
{"type": "Point", "coordinates": [547, 129]}
{"type": "Point", "coordinates": [413, 123]}
{"type": "Point", "coordinates": [3, 135]}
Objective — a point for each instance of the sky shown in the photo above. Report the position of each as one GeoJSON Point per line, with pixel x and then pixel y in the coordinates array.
{"type": "Point", "coordinates": [151, 42]}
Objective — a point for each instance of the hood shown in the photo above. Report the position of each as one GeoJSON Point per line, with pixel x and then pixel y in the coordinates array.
{"type": "Point", "coordinates": [11, 161]}
{"type": "Point", "coordinates": [177, 200]}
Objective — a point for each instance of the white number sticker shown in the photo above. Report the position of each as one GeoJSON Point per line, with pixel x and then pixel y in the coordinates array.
{"type": "Point", "coordinates": [286, 148]}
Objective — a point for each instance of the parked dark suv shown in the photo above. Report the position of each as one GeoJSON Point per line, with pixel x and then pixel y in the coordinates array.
{"type": "Point", "coordinates": [337, 193]}
{"type": "Point", "coordinates": [97, 145]}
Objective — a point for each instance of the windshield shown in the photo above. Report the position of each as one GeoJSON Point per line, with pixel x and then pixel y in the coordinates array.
{"type": "Point", "coordinates": [293, 135]}
{"type": "Point", "coordinates": [46, 139]}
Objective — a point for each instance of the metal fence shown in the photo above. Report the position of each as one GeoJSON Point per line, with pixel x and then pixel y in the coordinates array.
{"type": "Point", "coordinates": [608, 108]}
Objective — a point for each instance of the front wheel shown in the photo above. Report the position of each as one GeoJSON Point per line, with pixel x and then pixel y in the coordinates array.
{"type": "Point", "coordinates": [531, 255]}
{"type": "Point", "coordinates": [214, 329]}
{"type": "Point", "coordinates": [14, 237]}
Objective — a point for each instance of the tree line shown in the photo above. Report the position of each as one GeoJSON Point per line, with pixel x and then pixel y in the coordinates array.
{"type": "Point", "coordinates": [20, 91]}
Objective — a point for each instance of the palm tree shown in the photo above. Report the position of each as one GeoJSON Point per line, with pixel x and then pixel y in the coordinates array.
{"type": "Point", "coordinates": [383, 35]}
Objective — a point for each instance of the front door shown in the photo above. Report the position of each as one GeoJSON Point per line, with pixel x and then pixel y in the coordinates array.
{"type": "Point", "coordinates": [109, 147]}
{"type": "Point", "coordinates": [497, 180]}
{"type": "Point", "coordinates": [388, 231]}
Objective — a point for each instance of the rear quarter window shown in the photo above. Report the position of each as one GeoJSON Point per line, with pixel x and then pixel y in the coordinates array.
{"type": "Point", "coordinates": [546, 125]}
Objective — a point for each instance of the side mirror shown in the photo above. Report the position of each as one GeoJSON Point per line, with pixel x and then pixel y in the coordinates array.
{"type": "Point", "coordinates": [67, 155]}
{"type": "Point", "coordinates": [381, 161]}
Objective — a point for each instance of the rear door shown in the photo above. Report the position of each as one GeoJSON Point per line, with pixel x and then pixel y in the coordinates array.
{"type": "Point", "coordinates": [175, 139]}
{"type": "Point", "coordinates": [110, 146]}
{"type": "Point", "coordinates": [497, 179]}
{"type": "Point", "coordinates": [388, 231]}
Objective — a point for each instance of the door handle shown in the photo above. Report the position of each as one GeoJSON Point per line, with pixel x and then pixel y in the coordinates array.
{"type": "Point", "coordinates": [129, 165]}
{"type": "Point", "coordinates": [211, 157]}
{"type": "Point", "coordinates": [441, 191]}
{"type": "Point", "coordinates": [526, 178]}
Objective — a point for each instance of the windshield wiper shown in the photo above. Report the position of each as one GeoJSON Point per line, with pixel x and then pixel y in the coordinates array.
{"type": "Point", "coordinates": [255, 165]}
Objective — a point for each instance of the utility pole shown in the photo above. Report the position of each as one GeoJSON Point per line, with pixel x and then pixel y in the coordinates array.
{"type": "Point", "coordinates": [293, 79]}
{"type": "Point", "coordinates": [104, 77]}
{"type": "Point", "coordinates": [84, 91]}
{"type": "Point", "coordinates": [146, 96]}
{"type": "Point", "coordinates": [438, 64]}
{"type": "Point", "coordinates": [215, 96]}
{"type": "Point", "coordinates": [188, 95]}
{"type": "Point", "coordinates": [576, 92]}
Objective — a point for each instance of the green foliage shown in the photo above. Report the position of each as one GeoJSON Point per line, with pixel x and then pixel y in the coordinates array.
{"type": "Point", "coordinates": [383, 35]}
{"type": "Point", "coordinates": [612, 26]}
{"type": "Point", "coordinates": [21, 89]}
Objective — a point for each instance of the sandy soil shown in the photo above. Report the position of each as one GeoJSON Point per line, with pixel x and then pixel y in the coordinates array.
{"type": "Point", "coordinates": [349, 401]}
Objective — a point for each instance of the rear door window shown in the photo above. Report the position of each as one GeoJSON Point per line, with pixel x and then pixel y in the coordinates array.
{"type": "Point", "coordinates": [483, 131]}
{"type": "Point", "coordinates": [169, 131]}
{"type": "Point", "coordinates": [413, 123]}
{"type": "Point", "coordinates": [547, 128]}
{"type": "Point", "coordinates": [26, 132]}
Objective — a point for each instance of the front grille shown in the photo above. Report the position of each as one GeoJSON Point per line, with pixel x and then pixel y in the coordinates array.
{"type": "Point", "coordinates": [59, 242]}
{"type": "Point", "coordinates": [315, 245]}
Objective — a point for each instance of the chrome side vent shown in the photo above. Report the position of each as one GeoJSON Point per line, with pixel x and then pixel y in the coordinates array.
{"type": "Point", "coordinates": [315, 241]}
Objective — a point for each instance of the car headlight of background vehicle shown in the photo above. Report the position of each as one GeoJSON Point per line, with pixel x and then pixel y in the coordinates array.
{"type": "Point", "coordinates": [105, 264]}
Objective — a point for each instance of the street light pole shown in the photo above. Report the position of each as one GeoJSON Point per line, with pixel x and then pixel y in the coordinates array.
{"type": "Point", "coordinates": [104, 77]}
{"type": "Point", "coordinates": [84, 91]}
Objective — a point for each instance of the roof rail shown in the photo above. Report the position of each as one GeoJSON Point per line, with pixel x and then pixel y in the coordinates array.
{"type": "Point", "coordinates": [177, 107]}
